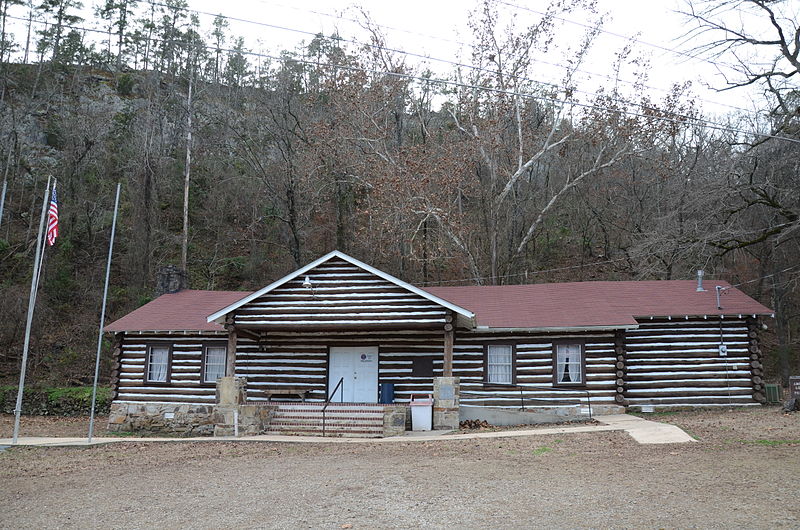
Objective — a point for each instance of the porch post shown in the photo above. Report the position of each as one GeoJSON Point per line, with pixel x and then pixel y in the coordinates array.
{"type": "Point", "coordinates": [230, 359]}
{"type": "Point", "coordinates": [447, 366]}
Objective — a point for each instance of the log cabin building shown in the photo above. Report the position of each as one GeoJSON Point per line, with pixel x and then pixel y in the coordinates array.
{"type": "Point", "coordinates": [339, 330]}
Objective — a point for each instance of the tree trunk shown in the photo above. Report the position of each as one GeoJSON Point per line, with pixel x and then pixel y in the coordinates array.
{"type": "Point", "coordinates": [186, 176]}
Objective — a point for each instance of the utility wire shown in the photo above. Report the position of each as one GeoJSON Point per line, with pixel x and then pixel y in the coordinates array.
{"type": "Point", "coordinates": [582, 266]}
{"type": "Point", "coordinates": [646, 108]}
{"type": "Point", "coordinates": [766, 276]}
{"type": "Point", "coordinates": [421, 56]}
{"type": "Point", "coordinates": [529, 273]}
{"type": "Point", "coordinates": [677, 120]}
{"type": "Point", "coordinates": [624, 37]}
{"type": "Point", "coordinates": [462, 43]}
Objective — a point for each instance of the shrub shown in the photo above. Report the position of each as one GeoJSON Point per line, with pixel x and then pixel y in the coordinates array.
{"type": "Point", "coordinates": [65, 401]}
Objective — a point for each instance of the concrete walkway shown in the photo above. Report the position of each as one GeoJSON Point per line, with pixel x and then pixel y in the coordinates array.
{"type": "Point", "coordinates": [643, 431]}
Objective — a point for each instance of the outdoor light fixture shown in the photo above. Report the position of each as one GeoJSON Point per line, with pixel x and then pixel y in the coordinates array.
{"type": "Point", "coordinates": [308, 285]}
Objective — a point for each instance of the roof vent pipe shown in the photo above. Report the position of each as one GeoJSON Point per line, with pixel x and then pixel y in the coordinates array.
{"type": "Point", "coordinates": [700, 281]}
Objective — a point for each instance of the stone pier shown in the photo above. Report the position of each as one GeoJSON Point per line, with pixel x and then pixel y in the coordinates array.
{"type": "Point", "coordinates": [446, 396]}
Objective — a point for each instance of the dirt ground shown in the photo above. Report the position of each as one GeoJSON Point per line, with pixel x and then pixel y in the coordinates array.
{"type": "Point", "coordinates": [52, 426]}
{"type": "Point", "coordinates": [743, 472]}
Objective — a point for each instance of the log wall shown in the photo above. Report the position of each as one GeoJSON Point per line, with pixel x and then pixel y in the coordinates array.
{"type": "Point", "coordinates": [664, 363]}
{"type": "Point", "coordinates": [184, 386]}
{"type": "Point", "coordinates": [534, 370]}
{"type": "Point", "coordinates": [284, 359]}
{"type": "Point", "coordinates": [300, 359]}
{"type": "Point", "coordinates": [677, 363]}
{"type": "Point", "coordinates": [342, 296]}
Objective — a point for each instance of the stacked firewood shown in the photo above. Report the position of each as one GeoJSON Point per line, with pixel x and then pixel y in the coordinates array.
{"type": "Point", "coordinates": [474, 424]}
{"type": "Point", "coordinates": [756, 366]}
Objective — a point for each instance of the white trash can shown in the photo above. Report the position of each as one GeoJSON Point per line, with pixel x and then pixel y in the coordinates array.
{"type": "Point", "coordinates": [421, 413]}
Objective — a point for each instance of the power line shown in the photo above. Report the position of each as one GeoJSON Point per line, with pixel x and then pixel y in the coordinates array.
{"type": "Point", "coordinates": [678, 120]}
{"type": "Point", "coordinates": [619, 35]}
{"type": "Point", "coordinates": [766, 276]}
{"type": "Point", "coordinates": [644, 107]}
{"type": "Point", "coordinates": [529, 273]}
{"type": "Point", "coordinates": [437, 59]}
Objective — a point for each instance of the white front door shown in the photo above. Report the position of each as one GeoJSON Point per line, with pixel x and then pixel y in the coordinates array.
{"type": "Point", "coordinates": [357, 366]}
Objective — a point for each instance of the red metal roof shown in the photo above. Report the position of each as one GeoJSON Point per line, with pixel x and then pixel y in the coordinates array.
{"type": "Point", "coordinates": [552, 305]}
{"type": "Point", "coordinates": [185, 310]}
{"type": "Point", "coordinates": [592, 304]}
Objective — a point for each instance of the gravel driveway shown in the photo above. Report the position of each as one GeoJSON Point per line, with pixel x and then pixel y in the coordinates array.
{"type": "Point", "coordinates": [737, 476]}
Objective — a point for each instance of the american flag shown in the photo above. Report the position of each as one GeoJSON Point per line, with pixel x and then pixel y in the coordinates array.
{"type": "Point", "coordinates": [52, 219]}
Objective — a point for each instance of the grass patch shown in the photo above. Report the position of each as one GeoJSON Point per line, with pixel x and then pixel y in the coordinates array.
{"type": "Point", "coordinates": [771, 443]}
{"type": "Point", "coordinates": [657, 414]}
{"type": "Point", "coordinates": [541, 450]}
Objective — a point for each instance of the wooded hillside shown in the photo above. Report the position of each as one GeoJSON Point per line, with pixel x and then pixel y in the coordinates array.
{"type": "Point", "coordinates": [240, 166]}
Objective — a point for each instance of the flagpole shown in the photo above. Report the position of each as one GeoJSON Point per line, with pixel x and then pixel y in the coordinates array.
{"type": "Point", "coordinates": [31, 305]}
{"type": "Point", "coordinates": [103, 316]}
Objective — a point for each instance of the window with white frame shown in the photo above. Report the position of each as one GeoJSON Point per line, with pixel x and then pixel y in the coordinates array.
{"type": "Point", "coordinates": [158, 363]}
{"type": "Point", "coordinates": [569, 364]}
{"type": "Point", "coordinates": [213, 363]}
{"type": "Point", "coordinates": [500, 364]}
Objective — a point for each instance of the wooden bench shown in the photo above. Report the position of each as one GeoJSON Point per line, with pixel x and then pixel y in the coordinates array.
{"type": "Point", "coordinates": [299, 391]}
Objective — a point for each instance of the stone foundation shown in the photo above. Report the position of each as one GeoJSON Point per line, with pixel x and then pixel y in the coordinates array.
{"type": "Point", "coordinates": [180, 419]}
{"type": "Point", "coordinates": [446, 396]}
{"type": "Point", "coordinates": [253, 419]}
{"type": "Point", "coordinates": [394, 420]}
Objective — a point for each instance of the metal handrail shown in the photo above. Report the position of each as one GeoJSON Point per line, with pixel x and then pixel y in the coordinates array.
{"type": "Point", "coordinates": [328, 401]}
{"type": "Point", "coordinates": [522, 397]}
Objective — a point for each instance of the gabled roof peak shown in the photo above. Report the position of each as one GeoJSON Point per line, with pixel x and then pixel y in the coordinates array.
{"type": "Point", "coordinates": [219, 316]}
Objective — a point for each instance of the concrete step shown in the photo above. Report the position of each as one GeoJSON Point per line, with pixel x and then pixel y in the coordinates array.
{"type": "Point", "coordinates": [341, 419]}
{"type": "Point", "coordinates": [330, 414]}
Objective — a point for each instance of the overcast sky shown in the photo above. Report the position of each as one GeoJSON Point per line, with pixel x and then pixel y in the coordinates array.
{"type": "Point", "coordinates": [439, 29]}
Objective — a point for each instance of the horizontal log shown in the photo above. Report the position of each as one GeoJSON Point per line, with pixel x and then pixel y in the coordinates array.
{"type": "Point", "coordinates": [691, 383]}
{"type": "Point", "coordinates": [692, 400]}
{"type": "Point", "coordinates": [620, 373]}
{"type": "Point", "coordinates": [685, 375]}
{"type": "Point", "coordinates": [693, 349]}
{"type": "Point", "coordinates": [620, 365]}
{"type": "Point", "coordinates": [684, 392]}
{"type": "Point", "coordinates": [620, 399]}
{"type": "Point", "coordinates": [195, 391]}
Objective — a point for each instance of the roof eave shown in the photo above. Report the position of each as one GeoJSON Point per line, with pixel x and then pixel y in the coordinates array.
{"type": "Point", "coordinates": [706, 316]}
{"type": "Point", "coordinates": [545, 329]}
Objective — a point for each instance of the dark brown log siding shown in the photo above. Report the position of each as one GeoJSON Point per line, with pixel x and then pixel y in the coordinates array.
{"type": "Point", "coordinates": [185, 383]}
{"type": "Point", "coordinates": [342, 296]}
{"type": "Point", "coordinates": [677, 363]}
{"type": "Point", "coordinates": [666, 363]}
{"type": "Point", "coordinates": [534, 364]}
{"type": "Point", "coordinates": [299, 359]}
